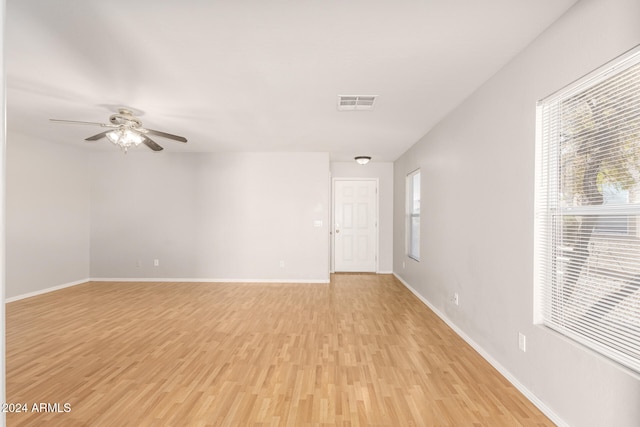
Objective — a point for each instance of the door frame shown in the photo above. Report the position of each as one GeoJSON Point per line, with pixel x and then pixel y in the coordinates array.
{"type": "Point", "coordinates": [333, 220]}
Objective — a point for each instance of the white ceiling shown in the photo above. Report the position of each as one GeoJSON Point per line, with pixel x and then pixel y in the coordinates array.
{"type": "Point", "coordinates": [258, 75]}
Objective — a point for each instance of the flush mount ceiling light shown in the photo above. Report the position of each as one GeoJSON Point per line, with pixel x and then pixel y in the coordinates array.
{"type": "Point", "coordinates": [363, 160]}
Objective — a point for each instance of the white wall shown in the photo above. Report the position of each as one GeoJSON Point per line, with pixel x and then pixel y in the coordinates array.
{"type": "Point", "coordinates": [47, 215]}
{"type": "Point", "coordinates": [2, 215]}
{"type": "Point", "coordinates": [227, 216]}
{"type": "Point", "coordinates": [477, 218]}
{"type": "Point", "coordinates": [383, 171]}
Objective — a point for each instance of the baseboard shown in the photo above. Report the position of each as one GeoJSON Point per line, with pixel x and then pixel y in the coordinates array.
{"type": "Point", "coordinates": [493, 362]}
{"type": "Point", "coordinates": [146, 279]}
{"type": "Point", "coordinates": [47, 290]}
{"type": "Point", "coordinates": [205, 280]}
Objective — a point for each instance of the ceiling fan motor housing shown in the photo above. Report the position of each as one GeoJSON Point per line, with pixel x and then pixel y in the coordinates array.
{"type": "Point", "coordinates": [126, 118]}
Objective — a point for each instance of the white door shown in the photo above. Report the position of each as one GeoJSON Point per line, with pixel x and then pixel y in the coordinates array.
{"type": "Point", "coordinates": [355, 225]}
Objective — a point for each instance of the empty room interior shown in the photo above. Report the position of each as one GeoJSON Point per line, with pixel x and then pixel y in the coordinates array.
{"type": "Point", "coordinates": [335, 213]}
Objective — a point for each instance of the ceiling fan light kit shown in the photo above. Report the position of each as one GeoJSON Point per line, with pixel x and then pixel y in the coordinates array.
{"type": "Point", "coordinates": [127, 131]}
{"type": "Point", "coordinates": [124, 138]}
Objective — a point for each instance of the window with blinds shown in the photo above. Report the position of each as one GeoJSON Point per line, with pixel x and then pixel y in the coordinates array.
{"type": "Point", "coordinates": [588, 211]}
{"type": "Point", "coordinates": [413, 215]}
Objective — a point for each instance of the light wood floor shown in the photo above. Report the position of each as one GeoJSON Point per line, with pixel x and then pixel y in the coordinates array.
{"type": "Point", "coordinates": [359, 351]}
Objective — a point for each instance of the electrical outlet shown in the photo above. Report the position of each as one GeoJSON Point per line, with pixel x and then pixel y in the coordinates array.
{"type": "Point", "coordinates": [522, 342]}
{"type": "Point", "coordinates": [138, 263]}
{"type": "Point", "coordinates": [402, 264]}
{"type": "Point", "coordinates": [281, 264]}
{"type": "Point", "coordinates": [455, 299]}
{"type": "Point", "coordinates": [156, 262]}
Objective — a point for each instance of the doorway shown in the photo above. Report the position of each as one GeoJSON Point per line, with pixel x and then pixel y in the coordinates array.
{"type": "Point", "coordinates": [355, 225]}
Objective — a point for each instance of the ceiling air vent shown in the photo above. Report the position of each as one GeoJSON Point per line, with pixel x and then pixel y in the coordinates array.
{"type": "Point", "coordinates": [356, 102]}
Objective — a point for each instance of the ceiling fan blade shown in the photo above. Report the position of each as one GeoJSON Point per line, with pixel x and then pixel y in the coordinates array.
{"type": "Point", "coordinates": [167, 135]}
{"type": "Point", "coordinates": [76, 122]}
{"type": "Point", "coordinates": [98, 136]}
{"type": "Point", "coordinates": [151, 144]}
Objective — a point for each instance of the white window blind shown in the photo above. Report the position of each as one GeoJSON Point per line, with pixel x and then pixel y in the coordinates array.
{"type": "Point", "coordinates": [413, 215]}
{"type": "Point", "coordinates": [588, 211]}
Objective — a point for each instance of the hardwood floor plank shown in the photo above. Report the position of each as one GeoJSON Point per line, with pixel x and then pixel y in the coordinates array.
{"type": "Point", "coordinates": [359, 351]}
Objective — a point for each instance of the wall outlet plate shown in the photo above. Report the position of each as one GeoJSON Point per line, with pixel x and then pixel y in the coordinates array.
{"type": "Point", "coordinates": [522, 342]}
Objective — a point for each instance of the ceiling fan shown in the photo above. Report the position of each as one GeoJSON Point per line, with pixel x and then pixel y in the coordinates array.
{"type": "Point", "coordinates": [126, 131]}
